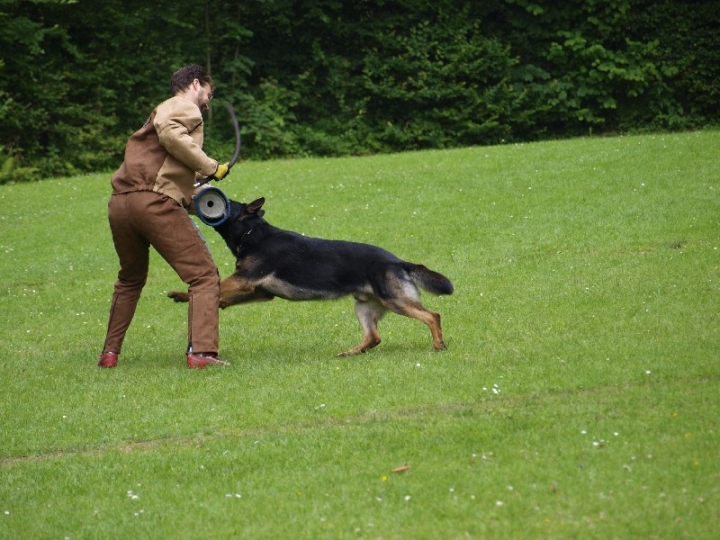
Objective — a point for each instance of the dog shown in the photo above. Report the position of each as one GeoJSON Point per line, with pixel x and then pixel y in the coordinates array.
{"type": "Point", "coordinates": [272, 262]}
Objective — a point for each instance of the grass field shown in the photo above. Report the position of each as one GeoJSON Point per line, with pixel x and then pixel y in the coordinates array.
{"type": "Point", "coordinates": [578, 398]}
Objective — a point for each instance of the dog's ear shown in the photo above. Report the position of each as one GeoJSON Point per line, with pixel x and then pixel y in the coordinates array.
{"type": "Point", "coordinates": [253, 207]}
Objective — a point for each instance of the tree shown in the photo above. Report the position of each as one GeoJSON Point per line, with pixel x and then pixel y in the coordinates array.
{"type": "Point", "coordinates": [330, 77]}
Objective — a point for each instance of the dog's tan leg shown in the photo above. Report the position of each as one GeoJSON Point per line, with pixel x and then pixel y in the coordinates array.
{"type": "Point", "coordinates": [368, 312]}
{"type": "Point", "coordinates": [432, 319]}
{"type": "Point", "coordinates": [369, 341]}
{"type": "Point", "coordinates": [179, 296]}
{"type": "Point", "coordinates": [235, 290]}
{"type": "Point", "coordinates": [415, 310]}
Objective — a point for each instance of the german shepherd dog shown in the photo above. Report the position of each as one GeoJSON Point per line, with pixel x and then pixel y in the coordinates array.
{"type": "Point", "coordinates": [274, 262]}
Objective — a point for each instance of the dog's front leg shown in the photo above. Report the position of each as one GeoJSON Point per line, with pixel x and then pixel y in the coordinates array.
{"type": "Point", "coordinates": [179, 296]}
{"type": "Point", "coordinates": [237, 290]}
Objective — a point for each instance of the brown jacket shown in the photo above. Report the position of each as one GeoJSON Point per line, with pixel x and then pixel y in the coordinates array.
{"type": "Point", "coordinates": [165, 155]}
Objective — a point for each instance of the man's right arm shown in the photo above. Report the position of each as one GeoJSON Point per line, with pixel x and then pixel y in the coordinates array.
{"type": "Point", "coordinates": [175, 122]}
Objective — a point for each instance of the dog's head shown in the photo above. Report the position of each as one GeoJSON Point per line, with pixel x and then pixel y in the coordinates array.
{"type": "Point", "coordinates": [243, 218]}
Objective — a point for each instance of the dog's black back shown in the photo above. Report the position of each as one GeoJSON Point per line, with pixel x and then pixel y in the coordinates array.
{"type": "Point", "coordinates": [321, 269]}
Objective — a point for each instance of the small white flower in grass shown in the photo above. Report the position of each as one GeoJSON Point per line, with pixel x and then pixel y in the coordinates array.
{"type": "Point", "coordinates": [407, 497]}
{"type": "Point", "coordinates": [583, 432]}
{"type": "Point", "coordinates": [499, 503]}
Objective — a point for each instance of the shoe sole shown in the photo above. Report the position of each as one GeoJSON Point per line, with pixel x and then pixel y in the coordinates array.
{"type": "Point", "coordinates": [201, 364]}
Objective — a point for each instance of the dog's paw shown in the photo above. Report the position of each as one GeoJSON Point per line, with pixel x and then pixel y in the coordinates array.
{"type": "Point", "coordinates": [179, 296]}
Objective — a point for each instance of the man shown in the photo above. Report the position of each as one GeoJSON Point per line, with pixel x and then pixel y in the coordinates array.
{"type": "Point", "coordinates": [150, 194]}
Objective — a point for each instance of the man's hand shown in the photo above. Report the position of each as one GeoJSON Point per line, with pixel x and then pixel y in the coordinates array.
{"type": "Point", "coordinates": [221, 171]}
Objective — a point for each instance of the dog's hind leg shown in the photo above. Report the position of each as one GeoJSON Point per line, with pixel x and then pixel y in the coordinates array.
{"type": "Point", "coordinates": [401, 296]}
{"type": "Point", "coordinates": [369, 311]}
{"type": "Point", "coordinates": [415, 310]}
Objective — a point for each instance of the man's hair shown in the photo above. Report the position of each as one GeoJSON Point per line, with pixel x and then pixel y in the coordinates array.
{"type": "Point", "coordinates": [184, 77]}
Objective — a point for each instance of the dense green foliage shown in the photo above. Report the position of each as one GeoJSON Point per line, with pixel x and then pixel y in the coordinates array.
{"type": "Point", "coordinates": [325, 77]}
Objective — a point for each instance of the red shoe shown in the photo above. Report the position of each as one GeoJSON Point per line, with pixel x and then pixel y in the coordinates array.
{"type": "Point", "coordinates": [108, 360]}
{"type": "Point", "coordinates": [203, 360]}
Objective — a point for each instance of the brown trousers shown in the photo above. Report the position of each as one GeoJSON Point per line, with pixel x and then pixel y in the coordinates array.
{"type": "Point", "coordinates": [142, 219]}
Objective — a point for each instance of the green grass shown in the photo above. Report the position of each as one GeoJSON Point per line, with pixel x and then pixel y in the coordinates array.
{"type": "Point", "coordinates": [578, 397]}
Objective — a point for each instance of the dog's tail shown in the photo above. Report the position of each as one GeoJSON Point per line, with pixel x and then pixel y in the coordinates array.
{"type": "Point", "coordinates": [429, 280]}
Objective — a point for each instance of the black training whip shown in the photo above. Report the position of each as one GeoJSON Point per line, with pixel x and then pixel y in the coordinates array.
{"type": "Point", "coordinates": [236, 155]}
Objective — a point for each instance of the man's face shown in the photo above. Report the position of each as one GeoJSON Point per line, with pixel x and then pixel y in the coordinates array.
{"type": "Point", "coordinates": [204, 95]}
